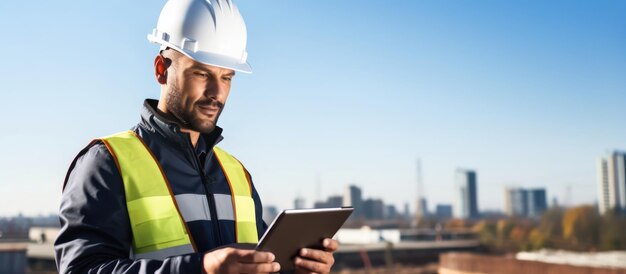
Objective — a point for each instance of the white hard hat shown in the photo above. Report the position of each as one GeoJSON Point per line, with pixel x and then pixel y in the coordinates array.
{"type": "Point", "coordinates": [208, 31]}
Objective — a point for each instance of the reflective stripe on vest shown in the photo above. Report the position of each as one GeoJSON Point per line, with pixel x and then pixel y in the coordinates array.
{"type": "Point", "coordinates": [243, 204]}
{"type": "Point", "coordinates": [156, 224]}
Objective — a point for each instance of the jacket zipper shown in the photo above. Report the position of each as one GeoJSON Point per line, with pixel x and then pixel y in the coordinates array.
{"type": "Point", "coordinates": [209, 194]}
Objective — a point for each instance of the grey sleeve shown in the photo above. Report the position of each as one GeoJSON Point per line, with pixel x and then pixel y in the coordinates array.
{"type": "Point", "coordinates": [95, 234]}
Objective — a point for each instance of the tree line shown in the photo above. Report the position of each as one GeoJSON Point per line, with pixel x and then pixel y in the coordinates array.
{"type": "Point", "coordinates": [578, 228]}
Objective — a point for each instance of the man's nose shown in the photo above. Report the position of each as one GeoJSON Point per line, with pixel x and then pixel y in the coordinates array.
{"type": "Point", "coordinates": [216, 89]}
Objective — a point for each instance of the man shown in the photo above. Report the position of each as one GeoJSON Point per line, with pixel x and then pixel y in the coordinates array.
{"type": "Point", "coordinates": [162, 198]}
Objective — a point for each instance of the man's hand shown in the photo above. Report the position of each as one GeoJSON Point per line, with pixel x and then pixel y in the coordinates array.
{"type": "Point", "coordinates": [237, 260]}
{"type": "Point", "coordinates": [316, 261]}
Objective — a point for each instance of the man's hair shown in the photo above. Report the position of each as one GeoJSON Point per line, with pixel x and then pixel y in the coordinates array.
{"type": "Point", "coordinates": [171, 54]}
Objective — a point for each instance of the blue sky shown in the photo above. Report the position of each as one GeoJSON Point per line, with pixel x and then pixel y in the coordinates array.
{"type": "Point", "coordinates": [527, 93]}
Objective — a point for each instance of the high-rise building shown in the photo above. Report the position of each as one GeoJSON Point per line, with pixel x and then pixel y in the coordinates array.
{"type": "Point", "coordinates": [391, 212]}
{"type": "Point", "coordinates": [407, 211]}
{"type": "Point", "coordinates": [299, 203]}
{"type": "Point", "coordinates": [443, 212]}
{"type": "Point", "coordinates": [422, 208]}
{"type": "Point", "coordinates": [320, 204]}
{"type": "Point", "coordinates": [466, 196]}
{"type": "Point", "coordinates": [374, 209]}
{"type": "Point", "coordinates": [516, 202]}
{"type": "Point", "coordinates": [612, 182]}
{"type": "Point", "coordinates": [537, 202]}
{"type": "Point", "coordinates": [353, 197]}
{"type": "Point", "coordinates": [525, 202]}
{"type": "Point", "coordinates": [555, 202]}
{"type": "Point", "coordinates": [603, 186]}
{"type": "Point", "coordinates": [335, 201]}
{"type": "Point", "coordinates": [332, 201]}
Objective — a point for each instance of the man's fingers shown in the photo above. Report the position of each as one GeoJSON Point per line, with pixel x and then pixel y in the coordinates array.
{"type": "Point", "coordinates": [252, 261]}
{"type": "Point", "coordinates": [311, 266]}
{"type": "Point", "coordinates": [330, 245]}
{"type": "Point", "coordinates": [253, 256]}
{"type": "Point", "coordinates": [233, 260]}
{"type": "Point", "coordinates": [317, 255]}
{"type": "Point", "coordinates": [317, 261]}
{"type": "Point", "coordinates": [259, 268]}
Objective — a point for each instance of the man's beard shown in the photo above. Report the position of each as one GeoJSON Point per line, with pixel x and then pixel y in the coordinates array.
{"type": "Point", "coordinates": [187, 119]}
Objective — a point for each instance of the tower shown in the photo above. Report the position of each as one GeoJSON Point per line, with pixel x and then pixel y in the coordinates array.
{"type": "Point", "coordinates": [466, 200]}
{"type": "Point", "coordinates": [612, 182]}
{"type": "Point", "coordinates": [353, 197]}
{"type": "Point", "coordinates": [421, 204]}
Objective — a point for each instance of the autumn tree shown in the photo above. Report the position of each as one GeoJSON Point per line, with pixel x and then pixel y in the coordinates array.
{"type": "Point", "coordinates": [455, 224]}
{"type": "Point", "coordinates": [537, 239]}
{"type": "Point", "coordinates": [612, 236]}
{"type": "Point", "coordinates": [503, 228]}
{"type": "Point", "coordinates": [550, 230]}
{"type": "Point", "coordinates": [581, 227]}
{"type": "Point", "coordinates": [486, 231]}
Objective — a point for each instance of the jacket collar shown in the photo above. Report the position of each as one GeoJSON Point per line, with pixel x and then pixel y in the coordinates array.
{"type": "Point", "coordinates": [170, 129]}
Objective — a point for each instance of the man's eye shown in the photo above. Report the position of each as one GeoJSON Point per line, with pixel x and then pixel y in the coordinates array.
{"type": "Point", "coordinates": [201, 74]}
{"type": "Point", "coordinates": [227, 78]}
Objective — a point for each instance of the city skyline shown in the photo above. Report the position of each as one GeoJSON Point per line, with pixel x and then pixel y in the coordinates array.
{"type": "Point", "coordinates": [525, 94]}
{"type": "Point", "coordinates": [517, 202]}
{"type": "Point", "coordinates": [304, 201]}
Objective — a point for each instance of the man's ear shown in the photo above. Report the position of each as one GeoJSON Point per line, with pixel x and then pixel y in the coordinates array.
{"type": "Point", "coordinates": [160, 69]}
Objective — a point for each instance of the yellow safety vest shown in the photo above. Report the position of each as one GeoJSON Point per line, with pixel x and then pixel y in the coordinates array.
{"type": "Point", "coordinates": [158, 228]}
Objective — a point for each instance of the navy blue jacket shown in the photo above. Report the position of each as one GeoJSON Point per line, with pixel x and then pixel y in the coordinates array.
{"type": "Point", "coordinates": [96, 236]}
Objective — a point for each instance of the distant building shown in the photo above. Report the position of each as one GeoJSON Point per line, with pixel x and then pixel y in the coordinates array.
{"type": "Point", "coordinates": [391, 212]}
{"type": "Point", "coordinates": [612, 182]}
{"type": "Point", "coordinates": [537, 202]}
{"type": "Point", "coordinates": [332, 201]}
{"type": "Point", "coordinates": [335, 201]}
{"type": "Point", "coordinates": [15, 227]}
{"type": "Point", "coordinates": [443, 212]}
{"type": "Point", "coordinates": [492, 214]}
{"type": "Point", "coordinates": [407, 212]}
{"type": "Point", "coordinates": [299, 203]}
{"type": "Point", "coordinates": [374, 209]}
{"type": "Point", "coordinates": [13, 257]}
{"type": "Point", "coordinates": [555, 202]}
{"type": "Point", "coordinates": [269, 213]}
{"type": "Point", "coordinates": [466, 196]}
{"type": "Point", "coordinates": [320, 204]}
{"type": "Point", "coordinates": [422, 208]}
{"type": "Point", "coordinates": [525, 202]}
{"type": "Point", "coordinates": [354, 197]}
{"type": "Point", "coordinates": [516, 204]}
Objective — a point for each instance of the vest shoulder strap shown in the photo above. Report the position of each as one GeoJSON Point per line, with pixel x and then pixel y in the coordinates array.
{"type": "Point", "coordinates": [156, 222]}
{"type": "Point", "coordinates": [241, 190]}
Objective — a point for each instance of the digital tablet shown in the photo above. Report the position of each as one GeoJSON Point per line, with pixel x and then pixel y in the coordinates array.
{"type": "Point", "coordinates": [294, 229]}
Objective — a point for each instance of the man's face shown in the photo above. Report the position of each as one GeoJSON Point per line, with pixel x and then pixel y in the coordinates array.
{"type": "Point", "coordinates": [196, 93]}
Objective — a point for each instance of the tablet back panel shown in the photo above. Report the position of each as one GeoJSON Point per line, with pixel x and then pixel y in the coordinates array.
{"type": "Point", "coordinates": [298, 228]}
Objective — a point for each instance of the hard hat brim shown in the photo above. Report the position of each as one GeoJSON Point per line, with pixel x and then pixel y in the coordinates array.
{"type": "Point", "coordinates": [207, 58]}
{"type": "Point", "coordinates": [219, 61]}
